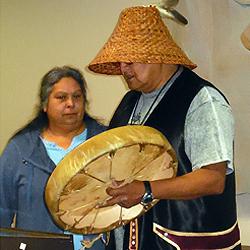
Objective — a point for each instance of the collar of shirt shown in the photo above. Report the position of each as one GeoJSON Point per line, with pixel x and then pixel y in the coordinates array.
{"type": "Point", "coordinates": [56, 153]}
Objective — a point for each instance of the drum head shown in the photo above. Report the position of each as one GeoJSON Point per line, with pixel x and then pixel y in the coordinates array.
{"type": "Point", "coordinates": [78, 184]}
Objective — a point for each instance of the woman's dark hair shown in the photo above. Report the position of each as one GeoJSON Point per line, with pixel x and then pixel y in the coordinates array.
{"type": "Point", "coordinates": [48, 81]}
{"type": "Point", "coordinates": [53, 77]}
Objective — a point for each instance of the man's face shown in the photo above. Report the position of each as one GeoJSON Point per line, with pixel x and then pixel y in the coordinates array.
{"type": "Point", "coordinates": [142, 77]}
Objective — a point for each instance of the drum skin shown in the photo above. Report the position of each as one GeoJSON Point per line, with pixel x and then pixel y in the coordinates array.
{"type": "Point", "coordinates": [78, 183]}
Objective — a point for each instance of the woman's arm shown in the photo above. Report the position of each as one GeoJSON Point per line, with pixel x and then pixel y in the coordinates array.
{"type": "Point", "coordinates": [8, 168]}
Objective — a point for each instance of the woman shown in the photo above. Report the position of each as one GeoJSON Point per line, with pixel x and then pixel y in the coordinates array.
{"type": "Point", "coordinates": [60, 125]}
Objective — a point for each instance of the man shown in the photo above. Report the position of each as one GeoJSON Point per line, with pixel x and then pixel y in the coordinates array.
{"type": "Point", "coordinates": [197, 209]}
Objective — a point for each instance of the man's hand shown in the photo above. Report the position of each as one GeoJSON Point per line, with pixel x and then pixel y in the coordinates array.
{"type": "Point", "coordinates": [125, 195]}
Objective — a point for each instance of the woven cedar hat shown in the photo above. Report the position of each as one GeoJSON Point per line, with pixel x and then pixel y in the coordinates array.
{"type": "Point", "coordinates": [139, 36]}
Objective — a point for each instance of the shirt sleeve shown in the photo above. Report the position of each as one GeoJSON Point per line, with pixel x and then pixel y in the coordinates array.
{"type": "Point", "coordinates": [8, 202]}
{"type": "Point", "coordinates": [209, 130]}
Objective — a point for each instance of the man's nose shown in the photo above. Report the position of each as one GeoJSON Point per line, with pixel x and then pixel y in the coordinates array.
{"type": "Point", "coordinates": [124, 66]}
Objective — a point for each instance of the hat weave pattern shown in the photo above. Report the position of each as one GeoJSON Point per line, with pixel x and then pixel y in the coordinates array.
{"type": "Point", "coordinates": [139, 36]}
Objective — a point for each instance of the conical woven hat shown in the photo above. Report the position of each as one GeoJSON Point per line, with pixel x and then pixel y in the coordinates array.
{"type": "Point", "coordinates": [139, 36]}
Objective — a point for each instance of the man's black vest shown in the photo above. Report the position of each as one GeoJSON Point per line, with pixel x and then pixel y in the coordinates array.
{"type": "Point", "coordinates": [206, 214]}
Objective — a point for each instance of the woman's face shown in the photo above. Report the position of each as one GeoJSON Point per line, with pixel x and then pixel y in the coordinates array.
{"type": "Point", "coordinates": [65, 105]}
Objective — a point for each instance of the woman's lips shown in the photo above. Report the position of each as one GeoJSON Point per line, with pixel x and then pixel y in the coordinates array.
{"type": "Point", "coordinates": [70, 114]}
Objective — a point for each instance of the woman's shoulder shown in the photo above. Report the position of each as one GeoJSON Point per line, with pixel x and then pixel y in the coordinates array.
{"type": "Point", "coordinates": [93, 121]}
{"type": "Point", "coordinates": [23, 139]}
{"type": "Point", "coordinates": [94, 126]}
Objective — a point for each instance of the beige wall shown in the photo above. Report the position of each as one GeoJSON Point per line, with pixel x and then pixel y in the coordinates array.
{"type": "Point", "coordinates": [37, 35]}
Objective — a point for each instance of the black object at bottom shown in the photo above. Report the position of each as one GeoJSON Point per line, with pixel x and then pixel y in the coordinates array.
{"type": "Point", "coordinates": [15, 239]}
